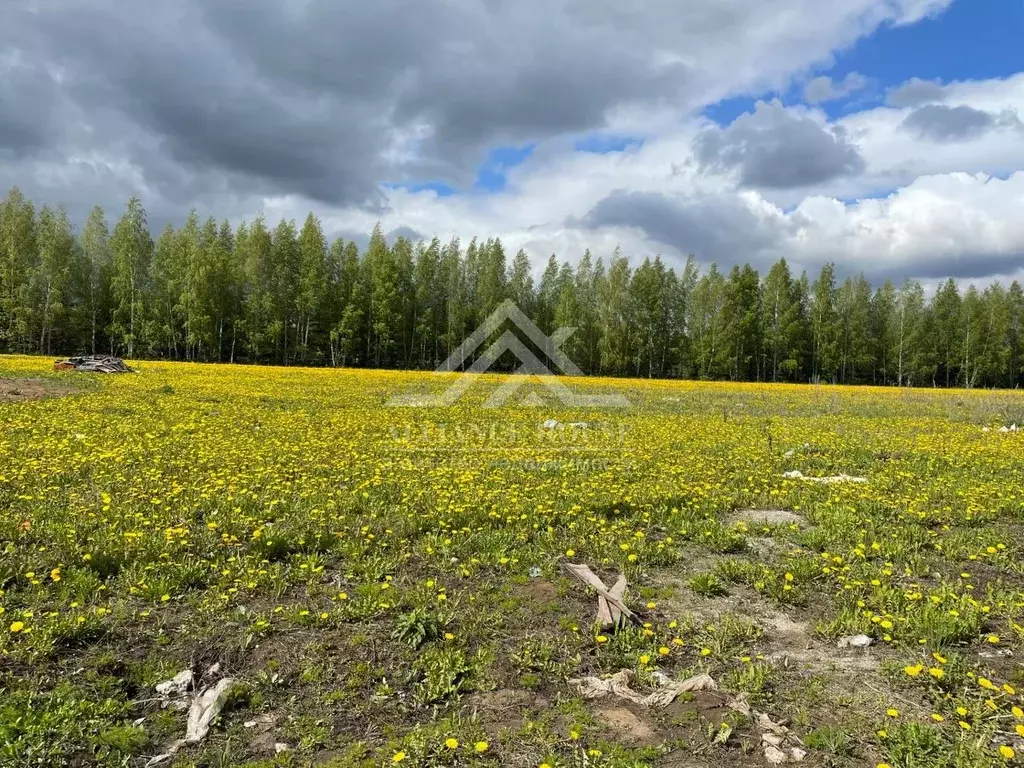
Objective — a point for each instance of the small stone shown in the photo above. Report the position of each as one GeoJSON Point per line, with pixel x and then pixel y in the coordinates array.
{"type": "Point", "coordinates": [856, 641]}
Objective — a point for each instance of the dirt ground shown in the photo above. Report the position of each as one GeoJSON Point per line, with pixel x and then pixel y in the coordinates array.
{"type": "Point", "coordinates": [17, 390]}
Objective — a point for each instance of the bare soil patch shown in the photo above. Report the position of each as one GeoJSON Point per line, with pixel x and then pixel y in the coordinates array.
{"type": "Point", "coordinates": [17, 390]}
{"type": "Point", "coordinates": [759, 517]}
{"type": "Point", "coordinates": [626, 726]}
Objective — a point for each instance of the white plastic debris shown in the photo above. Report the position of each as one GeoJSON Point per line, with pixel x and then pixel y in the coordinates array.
{"type": "Point", "coordinates": [856, 641]}
{"type": "Point", "coordinates": [205, 707]}
{"type": "Point", "coordinates": [177, 685]}
{"type": "Point", "coordinates": [618, 685]}
{"type": "Point", "coordinates": [796, 474]}
{"type": "Point", "coordinates": [280, 747]}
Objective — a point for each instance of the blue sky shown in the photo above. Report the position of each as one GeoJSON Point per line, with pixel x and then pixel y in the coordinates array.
{"type": "Point", "coordinates": [970, 40]}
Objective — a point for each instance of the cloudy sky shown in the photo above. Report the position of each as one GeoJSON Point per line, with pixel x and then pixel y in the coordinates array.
{"type": "Point", "coordinates": [883, 135]}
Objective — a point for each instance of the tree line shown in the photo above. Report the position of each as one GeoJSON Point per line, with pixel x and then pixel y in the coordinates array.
{"type": "Point", "coordinates": [207, 291]}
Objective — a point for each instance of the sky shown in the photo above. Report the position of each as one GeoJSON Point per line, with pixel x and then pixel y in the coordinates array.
{"type": "Point", "coordinates": [881, 135]}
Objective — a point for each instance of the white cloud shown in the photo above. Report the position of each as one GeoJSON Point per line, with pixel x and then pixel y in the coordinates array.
{"type": "Point", "coordinates": [944, 209]}
{"type": "Point", "coordinates": [823, 88]}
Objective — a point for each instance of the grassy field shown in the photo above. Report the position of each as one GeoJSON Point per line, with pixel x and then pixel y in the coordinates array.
{"type": "Point", "coordinates": [386, 585]}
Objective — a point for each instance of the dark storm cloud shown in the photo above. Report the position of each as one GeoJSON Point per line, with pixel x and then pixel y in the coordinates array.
{"type": "Point", "coordinates": [725, 230]}
{"type": "Point", "coordinates": [916, 92]}
{"type": "Point", "coordinates": [939, 122]}
{"type": "Point", "coordinates": [28, 96]}
{"type": "Point", "coordinates": [969, 266]}
{"type": "Point", "coordinates": [721, 229]}
{"type": "Point", "coordinates": [320, 99]}
{"type": "Point", "coordinates": [776, 148]}
{"type": "Point", "coordinates": [164, 74]}
{"type": "Point", "coordinates": [404, 231]}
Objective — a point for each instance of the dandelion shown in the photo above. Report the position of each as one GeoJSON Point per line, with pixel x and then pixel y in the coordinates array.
{"type": "Point", "coordinates": [892, 712]}
{"type": "Point", "coordinates": [1007, 752]}
{"type": "Point", "coordinates": [17, 626]}
{"type": "Point", "coordinates": [398, 757]}
{"type": "Point", "coordinates": [481, 746]}
{"type": "Point", "coordinates": [451, 743]}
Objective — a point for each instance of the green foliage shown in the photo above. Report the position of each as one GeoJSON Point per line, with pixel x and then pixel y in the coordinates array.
{"type": "Point", "coordinates": [418, 627]}
{"type": "Point", "coordinates": [284, 294]}
{"type": "Point", "coordinates": [62, 726]}
{"type": "Point", "coordinates": [707, 585]}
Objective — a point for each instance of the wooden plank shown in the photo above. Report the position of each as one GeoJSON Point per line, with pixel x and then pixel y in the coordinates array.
{"type": "Point", "coordinates": [588, 577]}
